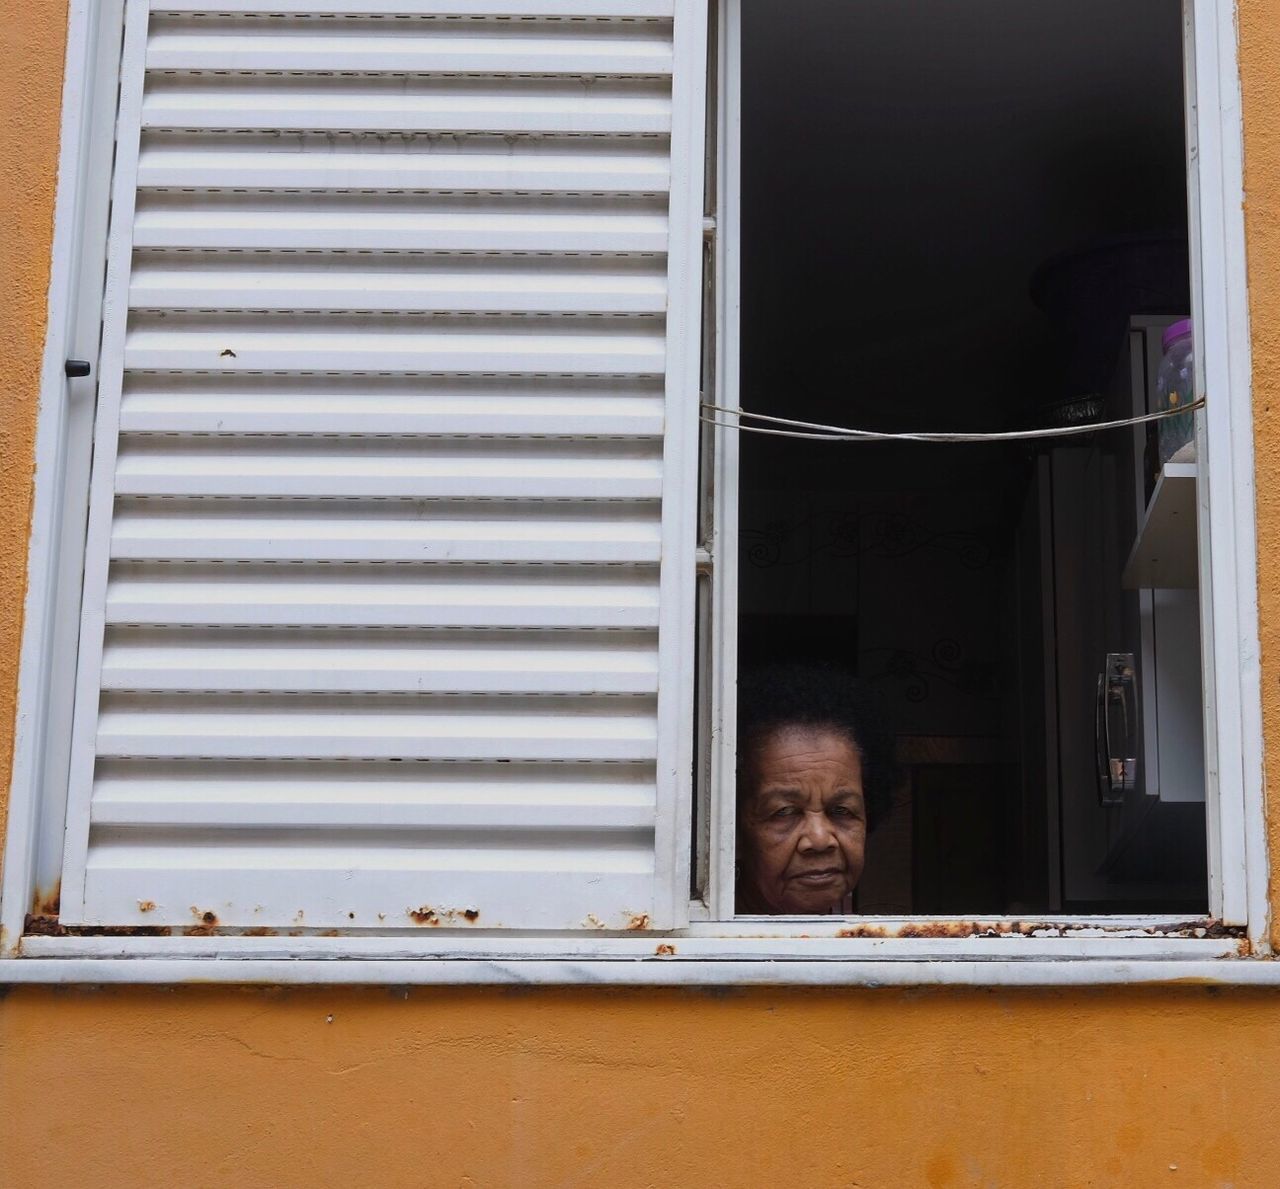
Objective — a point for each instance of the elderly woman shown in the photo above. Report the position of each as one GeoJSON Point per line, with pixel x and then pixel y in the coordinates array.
{"type": "Point", "coordinates": [814, 777]}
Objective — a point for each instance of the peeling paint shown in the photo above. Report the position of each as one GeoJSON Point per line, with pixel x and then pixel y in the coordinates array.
{"type": "Point", "coordinates": [968, 929]}
{"type": "Point", "coordinates": [47, 902]}
{"type": "Point", "coordinates": [41, 925]}
{"type": "Point", "coordinates": [426, 915]}
{"type": "Point", "coordinates": [206, 922]}
{"type": "Point", "coordinates": [47, 926]}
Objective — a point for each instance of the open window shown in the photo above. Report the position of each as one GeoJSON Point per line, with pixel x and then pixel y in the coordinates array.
{"type": "Point", "coordinates": [966, 218]}
{"type": "Point", "coordinates": [381, 577]}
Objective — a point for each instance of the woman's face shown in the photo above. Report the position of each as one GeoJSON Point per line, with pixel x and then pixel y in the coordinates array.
{"type": "Point", "coordinates": [804, 827]}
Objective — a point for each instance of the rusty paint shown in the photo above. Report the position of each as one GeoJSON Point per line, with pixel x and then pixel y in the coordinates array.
{"type": "Point", "coordinates": [666, 950]}
{"type": "Point", "coordinates": [426, 915]}
{"type": "Point", "coordinates": [258, 931]}
{"type": "Point", "coordinates": [120, 930]}
{"type": "Point", "coordinates": [954, 929]}
{"type": "Point", "coordinates": [939, 929]}
{"type": "Point", "coordinates": [146, 906]}
{"type": "Point", "coordinates": [47, 926]}
{"type": "Point", "coordinates": [638, 921]}
{"type": "Point", "coordinates": [206, 923]}
{"type": "Point", "coordinates": [47, 902]}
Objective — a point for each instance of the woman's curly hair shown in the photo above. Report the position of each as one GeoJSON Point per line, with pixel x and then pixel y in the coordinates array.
{"type": "Point", "coordinates": [824, 696]}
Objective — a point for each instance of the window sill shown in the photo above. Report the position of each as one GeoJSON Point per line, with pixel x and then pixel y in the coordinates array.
{"type": "Point", "coordinates": [651, 961]}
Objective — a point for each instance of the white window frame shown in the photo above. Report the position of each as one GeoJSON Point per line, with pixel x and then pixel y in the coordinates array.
{"type": "Point", "coordinates": [713, 950]}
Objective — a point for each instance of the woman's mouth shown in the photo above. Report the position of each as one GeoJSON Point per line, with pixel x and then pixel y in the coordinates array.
{"type": "Point", "coordinates": [818, 879]}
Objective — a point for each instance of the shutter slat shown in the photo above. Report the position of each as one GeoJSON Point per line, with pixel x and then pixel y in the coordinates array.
{"type": "Point", "coordinates": [192, 103]}
{"type": "Point", "coordinates": [391, 346]}
{"type": "Point", "coordinates": [371, 814]}
{"type": "Point", "coordinates": [354, 223]}
{"type": "Point", "coordinates": [635, 169]}
{"type": "Point", "coordinates": [411, 55]}
{"type": "Point", "coordinates": [457, 728]}
{"type": "Point", "coordinates": [568, 10]}
{"type": "Point", "coordinates": [190, 530]}
{"type": "Point", "coordinates": [388, 595]}
{"type": "Point", "coordinates": [334, 286]}
{"type": "Point", "coordinates": [377, 596]}
{"type": "Point", "coordinates": [257, 467]}
{"type": "Point", "coordinates": [426, 793]}
{"type": "Point", "coordinates": [313, 409]}
{"type": "Point", "coordinates": [381, 663]}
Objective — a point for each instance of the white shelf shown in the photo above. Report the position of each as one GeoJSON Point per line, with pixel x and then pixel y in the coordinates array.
{"type": "Point", "coordinates": [1164, 555]}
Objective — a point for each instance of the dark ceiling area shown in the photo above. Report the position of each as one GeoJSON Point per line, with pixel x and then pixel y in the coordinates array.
{"type": "Point", "coordinates": [907, 165]}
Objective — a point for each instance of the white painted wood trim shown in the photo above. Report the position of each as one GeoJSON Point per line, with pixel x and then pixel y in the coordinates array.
{"type": "Point", "coordinates": [106, 435]}
{"type": "Point", "coordinates": [678, 581]}
{"type": "Point", "coordinates": [495, 948]}
{"type": "Point", "coordinates": [651, 972]}
{"type": "Point", "coordinates": [91, 66]}
{"type": "Point", "coordinates": [1228, 537]}
{"type": "Point", "coordinates": [724, 528]}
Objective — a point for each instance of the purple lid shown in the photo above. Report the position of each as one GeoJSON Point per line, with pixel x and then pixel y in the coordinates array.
{"type": "Point", "coordinates": [1179, 330]}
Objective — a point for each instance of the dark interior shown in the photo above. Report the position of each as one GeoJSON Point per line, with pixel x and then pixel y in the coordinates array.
{"type": "Point", "coordinates": [949, 212]}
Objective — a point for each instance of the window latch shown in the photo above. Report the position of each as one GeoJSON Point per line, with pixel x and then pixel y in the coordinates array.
{"type": "Point", "coordinates": [1115, 729]}
{"type": "Point", "coordinates": [77, 368]}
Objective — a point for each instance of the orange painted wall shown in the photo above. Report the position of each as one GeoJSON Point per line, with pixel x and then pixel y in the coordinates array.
{"type": "Point", "coordinates": [1259, 63]}
{"type": "Point", "coordinates": [205, 1086]}
{"type": "Point", "coordinates": [812, 1088]}
{"type": "Point", "coordinates": [32, 42]}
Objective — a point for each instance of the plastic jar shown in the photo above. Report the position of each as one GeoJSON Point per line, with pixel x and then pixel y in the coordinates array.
{"type": "Point", "coordinates": [1175, 383]}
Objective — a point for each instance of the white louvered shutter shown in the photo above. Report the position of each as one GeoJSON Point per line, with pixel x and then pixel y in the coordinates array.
{"type": "Point", "coordinates": [388, 607]}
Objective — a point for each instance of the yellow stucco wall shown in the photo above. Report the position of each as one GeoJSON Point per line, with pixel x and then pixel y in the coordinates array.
{"type": "Point", "coordinates": [1259, 64]}
{"type": "Point", "coordinates": [205, 1086]}
{"type": "Point", "coordinates": [32, 41]}
{"type": "Point", "coordinates": [812, 1088]}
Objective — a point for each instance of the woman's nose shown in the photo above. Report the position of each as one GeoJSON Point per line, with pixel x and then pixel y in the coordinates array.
{"type": "Point", "coordinates": [817, 834]}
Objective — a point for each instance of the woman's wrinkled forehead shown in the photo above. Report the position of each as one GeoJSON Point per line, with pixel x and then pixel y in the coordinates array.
{"type": "Point", "coordinates": [796, 743]}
